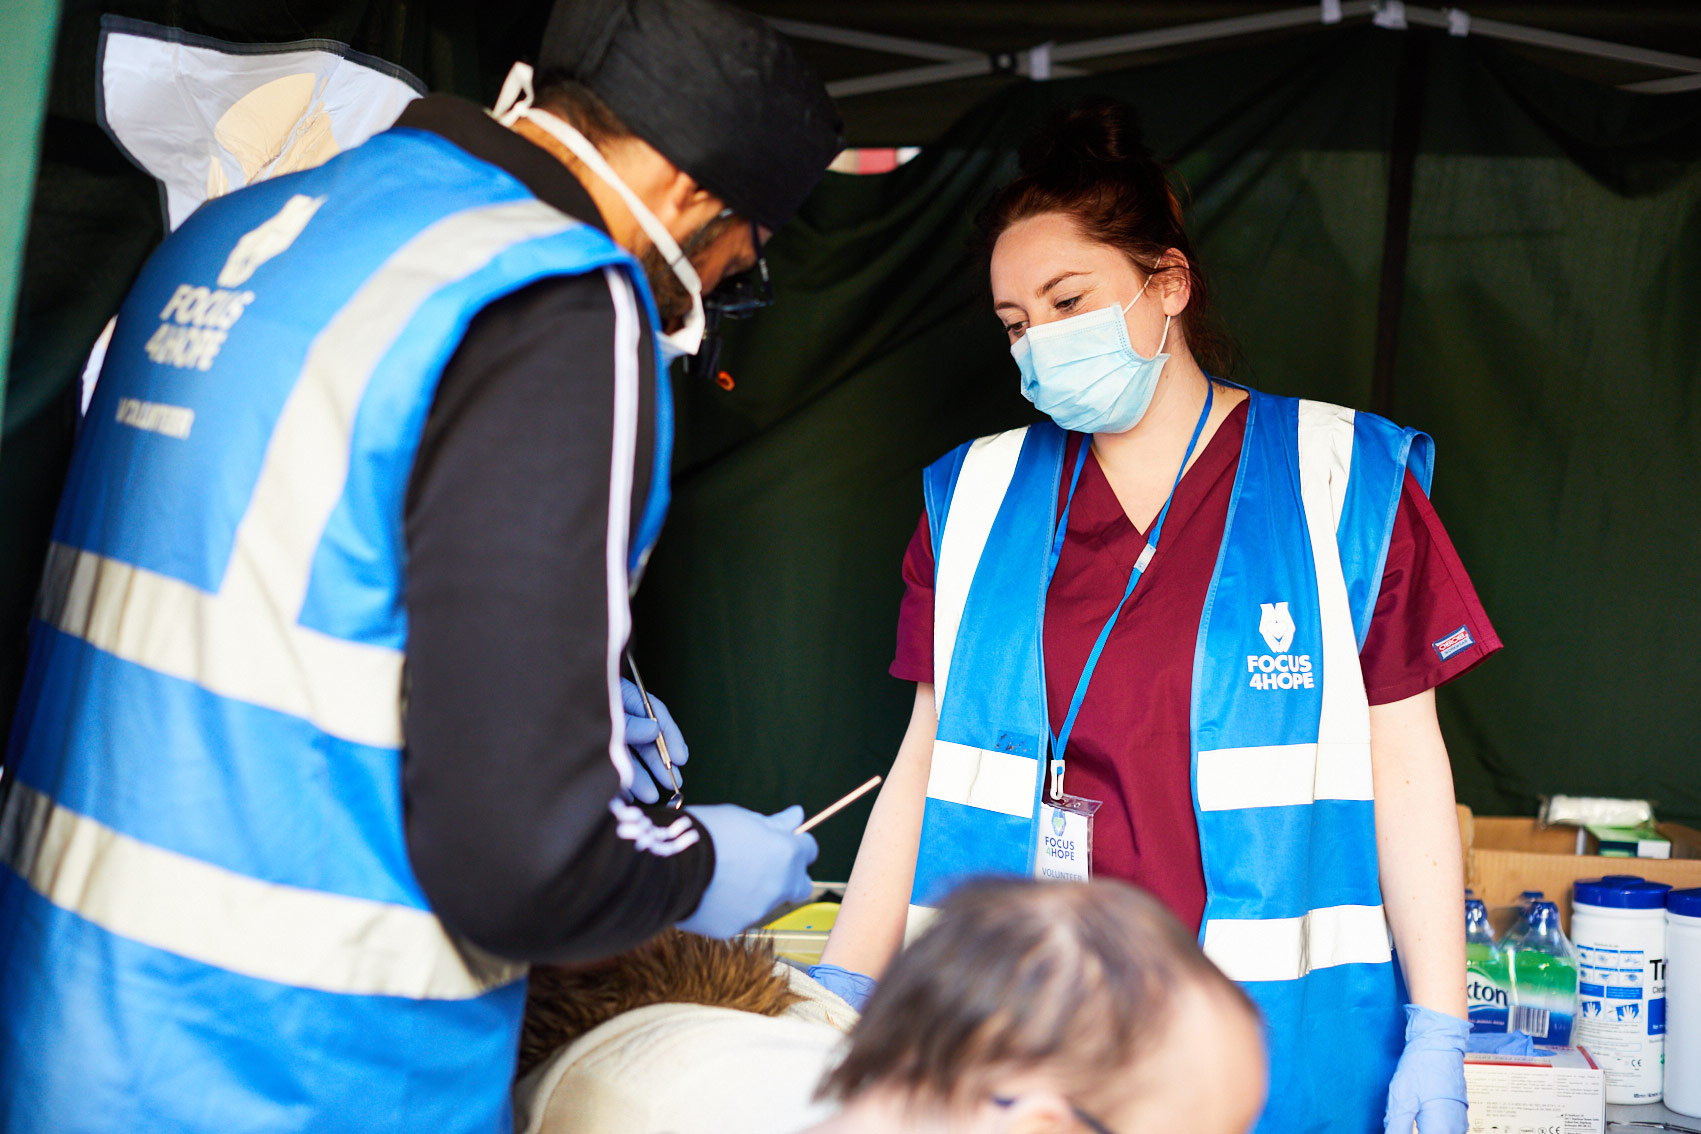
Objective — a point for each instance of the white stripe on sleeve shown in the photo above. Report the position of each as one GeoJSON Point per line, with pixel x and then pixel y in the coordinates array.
{"type": "Point", "coordinates": [628, 337]}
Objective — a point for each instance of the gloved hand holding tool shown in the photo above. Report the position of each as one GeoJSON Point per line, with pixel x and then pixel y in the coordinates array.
{"type": "Point", "coordinates": [654, 739]}
{"type": "Point", "coordinates": [760, 862]}
{"type": "Point", "coordinates": [1429, 1082]}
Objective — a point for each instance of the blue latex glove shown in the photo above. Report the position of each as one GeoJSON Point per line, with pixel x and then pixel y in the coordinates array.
{"type": "Point", "coordinates": [853, 988]}
{"type": "Point", "coordinates": [1429, 1083]}
{"type": "Point", "coordinates": [1500, 1043]}
{"type": "Point", "coordinates": [641, 733]}
{"type": "Point", "coordinates": [759, 863]}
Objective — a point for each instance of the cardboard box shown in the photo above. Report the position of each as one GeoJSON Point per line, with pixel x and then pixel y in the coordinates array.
{"type": "Point", "coordinates": [1560, 1093]}
{"type": "Point", "coordinates": [1626, 842]}
{"type": "Point", "coordinates": [1505, 856]}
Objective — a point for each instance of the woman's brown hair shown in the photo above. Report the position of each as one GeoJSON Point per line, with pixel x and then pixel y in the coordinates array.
{"type": "Point", "coordinates": [1091, 164]}
{"type": "Point", "coordinates": [1015, 974]}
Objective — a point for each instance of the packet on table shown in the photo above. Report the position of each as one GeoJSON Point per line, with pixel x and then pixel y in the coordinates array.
{"type": "Point", "coordinates": [1561, 1092]}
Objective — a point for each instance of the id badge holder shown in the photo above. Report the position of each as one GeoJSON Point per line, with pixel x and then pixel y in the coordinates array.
{"type": "Point", "coordinates": [1065, 851]}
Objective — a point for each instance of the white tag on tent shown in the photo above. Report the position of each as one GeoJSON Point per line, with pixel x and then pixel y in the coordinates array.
{"type": "Point", "coordinates": [1390, 14]}
{"type": "Point", "coordinates": [205, 117]}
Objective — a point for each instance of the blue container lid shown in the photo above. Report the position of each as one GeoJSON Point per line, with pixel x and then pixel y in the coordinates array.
{"type": "Point", "coordinates": [1684, 903]}
{"type": "Point", "coordinates": [1620, 892]}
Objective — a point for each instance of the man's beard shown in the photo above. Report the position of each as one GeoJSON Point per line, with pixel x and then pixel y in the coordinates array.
{"type": "Point", "coordinates": [673, 302]}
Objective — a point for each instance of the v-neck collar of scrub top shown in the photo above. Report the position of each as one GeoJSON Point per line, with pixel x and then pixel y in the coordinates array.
{"type": "Point", "coordinates": [1096, 519]}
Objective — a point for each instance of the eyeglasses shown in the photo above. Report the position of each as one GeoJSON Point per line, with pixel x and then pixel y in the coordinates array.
{"type": "Point", "coordinates": [741, 296]}
{"type": "Point", "coordinates": [738, 297]}
{"type": "Point", "coordinates": [1081, 1116]}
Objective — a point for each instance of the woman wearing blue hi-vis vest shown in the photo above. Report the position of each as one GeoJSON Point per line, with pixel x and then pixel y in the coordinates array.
{"type": "Point", "coordinates": [1189, 636]}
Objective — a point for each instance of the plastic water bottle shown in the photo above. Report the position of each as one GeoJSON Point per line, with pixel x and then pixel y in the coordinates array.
{"type": "Point", "coordinates": [1542, 976]}
{"type": "Point", "coordinates": [1485, 971]}
{"type": "Point", "coordinates": [1522, 922]}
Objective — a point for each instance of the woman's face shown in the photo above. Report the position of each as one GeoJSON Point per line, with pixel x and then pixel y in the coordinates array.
{"type": "Point", "coordinates": [1044, 269]}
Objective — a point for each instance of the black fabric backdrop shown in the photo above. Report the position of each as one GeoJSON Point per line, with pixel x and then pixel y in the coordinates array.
{"type": "Point", "coordinates": [1546, 337]}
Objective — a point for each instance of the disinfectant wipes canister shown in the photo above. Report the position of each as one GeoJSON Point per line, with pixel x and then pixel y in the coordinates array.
{"type": "Point", "coordinates": [1683, 1002]}
{"type": "Point", "coordinates": [1618, 930]}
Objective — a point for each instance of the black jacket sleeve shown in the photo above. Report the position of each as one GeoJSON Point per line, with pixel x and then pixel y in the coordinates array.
{"type": "Point", "coordinates": [509, 781]}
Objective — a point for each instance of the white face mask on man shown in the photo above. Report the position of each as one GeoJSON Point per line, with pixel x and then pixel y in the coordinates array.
{"type": "Point", "coordinates": [515, 103]}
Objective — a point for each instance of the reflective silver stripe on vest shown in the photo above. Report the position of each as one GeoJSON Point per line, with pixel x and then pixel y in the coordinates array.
{"type": "Point", "coordinates": [244, 641]}
{"type": "Point", "coordinates": [1282, 775]}
{"type": "Point", "coordinates": [236, 649]}
{"type": "Point", "coordinates": [1336, 767]}
{"type": "Point", "coordinates": [954, 771]}
{"type": "Point", "coordinates": [1343, 730]}
{"type": "Point", "coordinates": [1286, 948]}
{"type": "Point", "coordinates": [303, 938]}
{"type": "Point", "coordinates": [981, 484]}
{"type": "Point", "coordinates": [1006, 782]}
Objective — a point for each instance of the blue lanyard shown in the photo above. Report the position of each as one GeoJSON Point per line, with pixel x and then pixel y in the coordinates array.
{"type": "Point", "coordinates": [1060, 739]}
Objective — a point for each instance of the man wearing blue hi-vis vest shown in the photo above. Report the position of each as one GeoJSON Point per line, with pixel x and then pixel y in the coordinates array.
{"type": "Point", "coordinates": [324, 733]}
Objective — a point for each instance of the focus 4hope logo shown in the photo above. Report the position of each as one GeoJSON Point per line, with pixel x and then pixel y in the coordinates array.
{"type": "Point", "coordinates": [1278, 669]}
{"type": "Point", "coordinates": [197, 320]}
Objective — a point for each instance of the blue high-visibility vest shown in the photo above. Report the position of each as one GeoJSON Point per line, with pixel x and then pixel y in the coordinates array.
{"type": "Point", "coordinates": [1280, 725]}
{"type": "Point", "coordinates": [208, 920]}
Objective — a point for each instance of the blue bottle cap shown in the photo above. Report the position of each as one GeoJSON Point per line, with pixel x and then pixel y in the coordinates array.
{"type": "Point", "coordinates": [1529, 896]}
{"type": "Point", "coordinates": [1684, 903]}
{"type": "Point", "coordinates": [1620, 892]}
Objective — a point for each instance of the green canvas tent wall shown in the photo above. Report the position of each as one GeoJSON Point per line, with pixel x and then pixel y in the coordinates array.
{"type": "Point", "coordinates": [1485, 245]}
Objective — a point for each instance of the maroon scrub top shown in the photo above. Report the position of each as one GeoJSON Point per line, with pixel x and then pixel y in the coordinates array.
{"type": "Point", "coordinates": [1131, 747]}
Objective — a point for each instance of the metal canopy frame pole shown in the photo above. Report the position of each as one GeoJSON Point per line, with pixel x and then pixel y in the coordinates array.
{"type": "Point", "coordinates": [1562, 41]}
{"type": "Point", "coordinates": [873, 41]}
{"type": "Point", "coordinates": [962, 63]}
{"type": "Point", "coordinates": [1203, 32]}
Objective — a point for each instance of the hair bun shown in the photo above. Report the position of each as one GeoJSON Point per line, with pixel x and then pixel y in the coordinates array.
{"type": "Point", "coordinates": [1083, 140]}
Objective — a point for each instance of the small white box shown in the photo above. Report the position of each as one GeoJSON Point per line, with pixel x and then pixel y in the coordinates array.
{"type": "Point", "coordinates": [1561, 1092]}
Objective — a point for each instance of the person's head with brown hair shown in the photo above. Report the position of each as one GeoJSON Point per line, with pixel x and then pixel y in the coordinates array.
{"type": "Point", "coordinates": [1034, 1007]}
{"type": "Point", "coordinates": [1090, 220]}
{"type": "Point", "coordinates": [566, 1002]}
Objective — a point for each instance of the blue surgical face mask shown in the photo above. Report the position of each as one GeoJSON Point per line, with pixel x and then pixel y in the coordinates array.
{"type": "Point", "coordinates": [1083, 373]}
